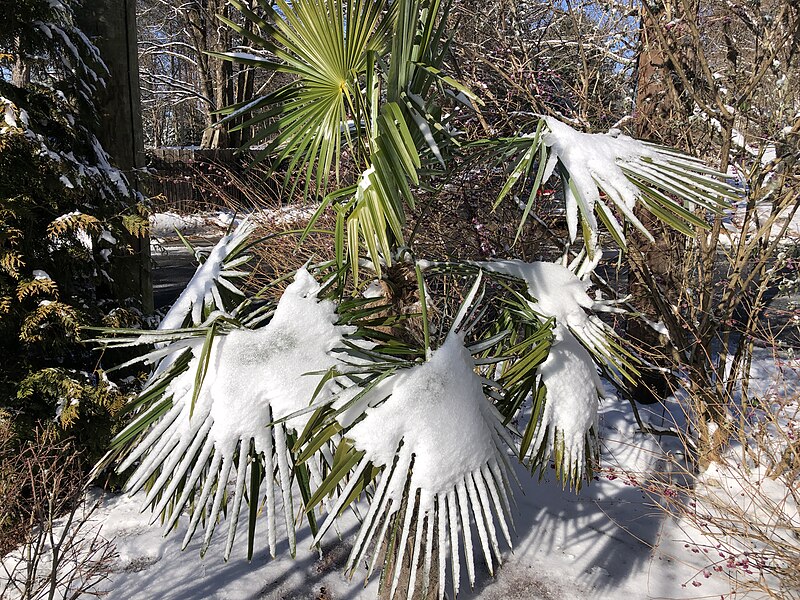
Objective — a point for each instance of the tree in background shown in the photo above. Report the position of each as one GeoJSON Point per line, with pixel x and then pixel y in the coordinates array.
{"type": "Point", "coordinates": [64, 211]}
{"type": "Point", "coordinates": [183, 84]}
{"type": "Point", "coordinates": [574, 60]}
{"type": "Point", "coordinates": [715, 80]}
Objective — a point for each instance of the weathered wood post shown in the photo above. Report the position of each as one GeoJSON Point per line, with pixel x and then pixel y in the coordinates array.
{"type": "Point", "coordinates": [111, 24]}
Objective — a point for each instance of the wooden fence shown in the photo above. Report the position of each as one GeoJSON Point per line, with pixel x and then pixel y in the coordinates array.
{"type": "Point", "coordinates": [186, 180]}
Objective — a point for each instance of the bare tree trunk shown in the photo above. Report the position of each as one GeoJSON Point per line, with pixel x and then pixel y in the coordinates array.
{"type": "Point", "coordinates": [653, 267]}
{"type": "Point", "coordinates": [216, 76]}
{"type": "Point", "coordinates": [112, 25]}
{"type": "Point", "coordinates": [21, 72]}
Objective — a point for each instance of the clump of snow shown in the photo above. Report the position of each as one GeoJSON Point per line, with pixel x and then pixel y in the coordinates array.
{"type": "Point", "coordinates": [79, 232]}
{"type": "Point", "coordinates": [287, 215]}
{"type": "Point", "coordinates": [297, 340]}
{"type": "Point", "coordinates": [437, 438]}
{"type": "Point", "coordinates": [9, 116]}
{"type": "Point", "coordinates": [570, 410]}
{"type": "Point", "coordinates": [108, 237]}
{"type": "Point", "coordinates": [39, 274]}
{"type": "Point", "coordinates": [254, 378]}
{"type": "Point", "coordinates": [439, 404]}
{"type": "Point", "coordinates": [225, 219]}
{"type": "Point", "coordinates": [568, 373]}
{"type": "Point", "coordinates": [373, 290]}
{"type": "Point", "coordinates": [558, 291]}
{"type": "Point", "coordinates": [591, 161]}
{"type": "Point", "coordinates": [783, 225]}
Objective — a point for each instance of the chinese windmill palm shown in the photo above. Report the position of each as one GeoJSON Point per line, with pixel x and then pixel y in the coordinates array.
{"type": "Point", "coordinates": [252, 404]}
{"type": "Point", "coordinates": [337, 414]}
{"type": "Point", "coordinates": [423, 501]}
{"type": "Point", "coordinates": [368, 80]}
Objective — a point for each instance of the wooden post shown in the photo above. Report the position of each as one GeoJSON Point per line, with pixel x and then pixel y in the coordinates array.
{"type": "Point", "coordinates": [111, 24]}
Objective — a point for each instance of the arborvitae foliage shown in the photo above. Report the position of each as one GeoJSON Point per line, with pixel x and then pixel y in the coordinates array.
{"type": "Point", "coordinates": [64, 214]}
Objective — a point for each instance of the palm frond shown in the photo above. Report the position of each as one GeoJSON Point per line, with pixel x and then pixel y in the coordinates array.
{"type": "Point", "coordinates": [605, 176]}
{"type": "Point", "coordinates": [222, 411]}
{"type": "Point", "coordinates": [558, 370]}
{"type": "Point", "coordinates": [325, 44]}
{"type": "Point", "coordinates": [213, 279]}
{"type": "Point", "coordinates": [420, 494]}
{"type": "Point", "coordinates": [344, 94]}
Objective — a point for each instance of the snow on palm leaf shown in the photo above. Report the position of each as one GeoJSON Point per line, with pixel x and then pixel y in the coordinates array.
{"type": "Point", "coordinates": [555, 291]}
{"type": "Point", "coordinates": [564, 417]}
{"type": "Point", "coordinates": [217, 429]}
{"type": "Point", "coordinates": [425, 494]}
{"type": "Point", "coordinates": [216, 271]}
{"type": "Point", "coordinates": [598, 169]}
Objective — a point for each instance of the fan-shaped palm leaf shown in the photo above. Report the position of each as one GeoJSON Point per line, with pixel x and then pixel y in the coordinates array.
{"type": "Point", "coordinates": [344, 94]}
{"type": "Point", "coordinates": [328, 45]}
{"type": "Point", "coordinates": [606, 175]}
{"type": "Point", "coordinates": [558, 371]}
{"type": "Point", "coordinates": [204, 292]}
{"type": "Point", "coordinates": [221, 413]}
{"type": "Point", "coordinates": [424, 498]}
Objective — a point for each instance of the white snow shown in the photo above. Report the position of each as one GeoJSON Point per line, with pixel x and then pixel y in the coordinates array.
{"type": "Point", "coordinates": [439, 404]}
{"type": "Point", "coordinates": [39, 274]}
{"type": "Point", "coordinates": [373, 290]}
{"type": "Point", "coordinates": [297, 340]}
{"type": "Point", "coordinates": [79, 232]}
{"type": "Point", "coordinates": [105, 167]}
{"type": "Point", "coordinates": [8, 114]}
{"type": "Point", "coordinates": [570, 409]}
{"type": "Point", "coordinates": [108, 236]}
{"type": "Point", "coordinates": [787, 218]}
{"type": "Point", "coordinates": [252, 371]}
{"type": "Point", "coordinates": [558, 291]}
{"type": "Point", "coordinates": [166, 223]}
{"type": "Point", "coordinates": [607, 542]}
{"type": "Point", "coordinates": [592, 161]}
{"type": "Point", "coordinates": [568, 373]}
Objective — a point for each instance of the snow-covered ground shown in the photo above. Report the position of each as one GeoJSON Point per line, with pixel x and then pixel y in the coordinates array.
{"type": "Point", "coordinates": [165, 223]}
{"type": "Point", "coordinates": [609, 541]}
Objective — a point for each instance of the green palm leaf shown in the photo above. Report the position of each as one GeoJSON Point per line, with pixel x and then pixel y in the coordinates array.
{"type": "Point", "coordinates": [325, 44]}
{"type": "Point", "coordinates": [606, 175]}
{"type": "Point", "coordinates": [424, 499]}
{"type": "Point", "coordinates": [220, 407]}
{"type": "Point", "coordinates": [344, 95]}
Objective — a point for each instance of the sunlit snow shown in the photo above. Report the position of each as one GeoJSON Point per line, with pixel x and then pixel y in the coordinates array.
{"type": "Point", "coordinates": [438, 404]}
{"type": "Point", "coordinates": [254, 377]}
